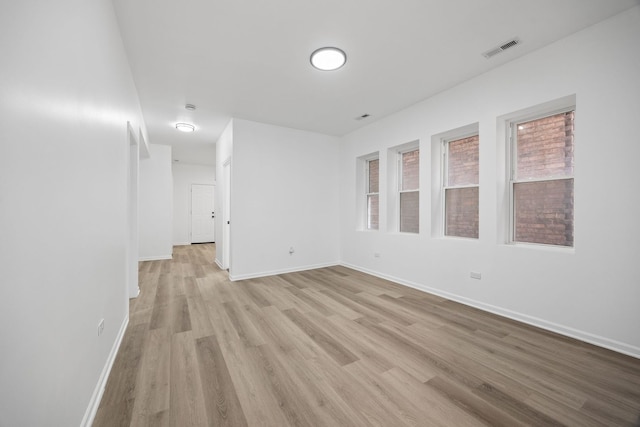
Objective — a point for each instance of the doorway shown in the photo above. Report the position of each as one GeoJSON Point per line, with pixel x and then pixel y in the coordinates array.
{"type": "Point", "coordinates": [202, 214]}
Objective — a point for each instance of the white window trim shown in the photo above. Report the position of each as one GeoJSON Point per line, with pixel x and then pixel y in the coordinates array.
{"type": "Point", "coordinates": [401, 190]}
{"type": "Point", "coordinates": [368, 193]}
{"type": "Point", "coordinates": [390, 199]}
{"type": "Point", "coordinates": [437, 164]}
{"type": "Point", "coordinates": [444, 179]}
{"type": "Point", "coordinates": [512, 156]}
{"type": "Point", "coordinates": [362, 188]}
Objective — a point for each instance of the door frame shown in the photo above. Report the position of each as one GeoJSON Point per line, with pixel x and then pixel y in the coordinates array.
{"type": "Point", "coordinates": [133, 183]}
{"type": "Point", "coordinates": [226, 215]}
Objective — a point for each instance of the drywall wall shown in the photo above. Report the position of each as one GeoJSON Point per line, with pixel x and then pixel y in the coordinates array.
{"type": "Point", "coordinates": [184, 175]}
{"type": "Point", "coordinates": [195, 154]}
{"type": "Point", "coordinates": [590, 292]}
{"type": "Point", "coordinates": [284, 194]}
{"type": "Point", "coordinates": [67, 92]}
{"type": "Point", "coordinates": [156, 204]}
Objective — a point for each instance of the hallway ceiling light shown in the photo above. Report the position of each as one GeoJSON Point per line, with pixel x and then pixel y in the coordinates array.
{"type": "Point", "coordinates": [185, 127]}
{"type": "Point", "coordinates": [328, 58]}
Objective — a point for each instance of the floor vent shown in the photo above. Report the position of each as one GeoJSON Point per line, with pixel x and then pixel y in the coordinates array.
{"type": "Point", "coordinates": [504, 46]}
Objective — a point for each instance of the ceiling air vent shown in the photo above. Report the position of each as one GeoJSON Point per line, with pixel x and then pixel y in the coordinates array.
{"type": "Point", "coordinates": [504, 46]}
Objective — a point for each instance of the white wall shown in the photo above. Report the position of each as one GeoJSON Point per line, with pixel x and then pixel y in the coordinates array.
{"type": "Point", "coordinates": [284, 193]}
{"type": "Point", "coordinates": [66, 94]}
{"type": "Point", "coordinates": [195, 154]}
{"type": "Point", "coordinates": [184, 175]}
{"type": "Point", "coordinates": [591, 292]}
{"type": "Point", "coordinates": [156, 204]}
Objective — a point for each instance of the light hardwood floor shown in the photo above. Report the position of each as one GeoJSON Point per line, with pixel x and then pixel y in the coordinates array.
{"type": "Point", "coordinates": [336, 347]}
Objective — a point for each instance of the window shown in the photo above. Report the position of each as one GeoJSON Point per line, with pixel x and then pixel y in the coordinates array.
{"type": "Point", "coordinates": [368, 191]}
{"type": "Point", "coordinates": [460, 187]}
{"type": "Point", "coordinates": [373, 196]}
{"type": "Point", "coordinates": [409, 194]}
{"type": "Point", "coordinates": [542, 181]}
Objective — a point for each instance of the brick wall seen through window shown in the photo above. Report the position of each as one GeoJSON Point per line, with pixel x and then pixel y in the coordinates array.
{"type": "Point", "coordinates": [543, 194]}
{"type": "Point", "coordinates": [373, 196]}
{"type": "Point", "coordinates": [409, 191]}
{"type": "Point", "coordinates": [461, 190]}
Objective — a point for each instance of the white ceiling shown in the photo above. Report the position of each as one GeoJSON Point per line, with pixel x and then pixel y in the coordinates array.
{"type": "Point", "coordinates": [250, 58]}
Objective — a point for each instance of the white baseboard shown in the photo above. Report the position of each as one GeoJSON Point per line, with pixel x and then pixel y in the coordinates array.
{"type": "Point", "coordinates": [219, 263]}
{"type": "Point", "coordinates": [590, 338]}
{"type": "Point", "coordinates": [135, 293]}
{"type": "Point", "coordinates": [155, 258]}
{"type": "Point", "coordinates": [94, 403]}
{"type": "Point", "coordinates": [282, 271]}
{"type": "Point", "coordinates": [182, 244]}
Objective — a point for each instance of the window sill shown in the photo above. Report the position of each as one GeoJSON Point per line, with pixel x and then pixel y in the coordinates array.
{"type": "Point", "coordinates": [404, 233]}
{"type": "Point", "coordinates": [458, 238]}
{"type": "Point", "coordinates": [542, 247]}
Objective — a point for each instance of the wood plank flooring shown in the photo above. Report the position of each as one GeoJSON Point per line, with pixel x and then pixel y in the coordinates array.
{"type": "Point", "coordinates": [336, 347]}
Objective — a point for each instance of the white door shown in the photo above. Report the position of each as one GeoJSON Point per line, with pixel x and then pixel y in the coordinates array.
{"type": "Point", "coordinates": [202, 214]}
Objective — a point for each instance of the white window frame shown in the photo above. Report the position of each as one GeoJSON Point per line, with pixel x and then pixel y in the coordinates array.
{"type": "Point", "coordinates": [445, 180]}
{"type": "Point", "coordinates": [362, 188]}
{"type": "Point", "coordinates": [401, 190]}
{"type": "Point", "coordinates": [512, 156]}
{"type": "Point", "coordinates": [368, 193]}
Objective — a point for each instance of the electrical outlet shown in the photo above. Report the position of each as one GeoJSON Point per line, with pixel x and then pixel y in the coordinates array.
{"type": "Point", "coordinates": [100, 327]}
{"type": "Point", "coordinates": [475, 275]}
{"type": "Point", "coordinates": [291, 250]}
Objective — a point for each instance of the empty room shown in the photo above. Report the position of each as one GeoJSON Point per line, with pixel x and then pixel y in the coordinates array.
{"type": "Point", "coordinates": [337, 213]}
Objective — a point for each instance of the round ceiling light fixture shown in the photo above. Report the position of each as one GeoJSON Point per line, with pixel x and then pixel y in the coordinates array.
{"type": "Point", "coordinates": [185, 127]}
{"type": "Point", "coordinates": [328, 58]}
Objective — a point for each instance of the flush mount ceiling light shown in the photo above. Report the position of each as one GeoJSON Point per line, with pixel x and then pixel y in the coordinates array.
{"type": "Point", "coordinates": [185, 127]}
{"type": "Point", "coordinates": [328, 58]}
